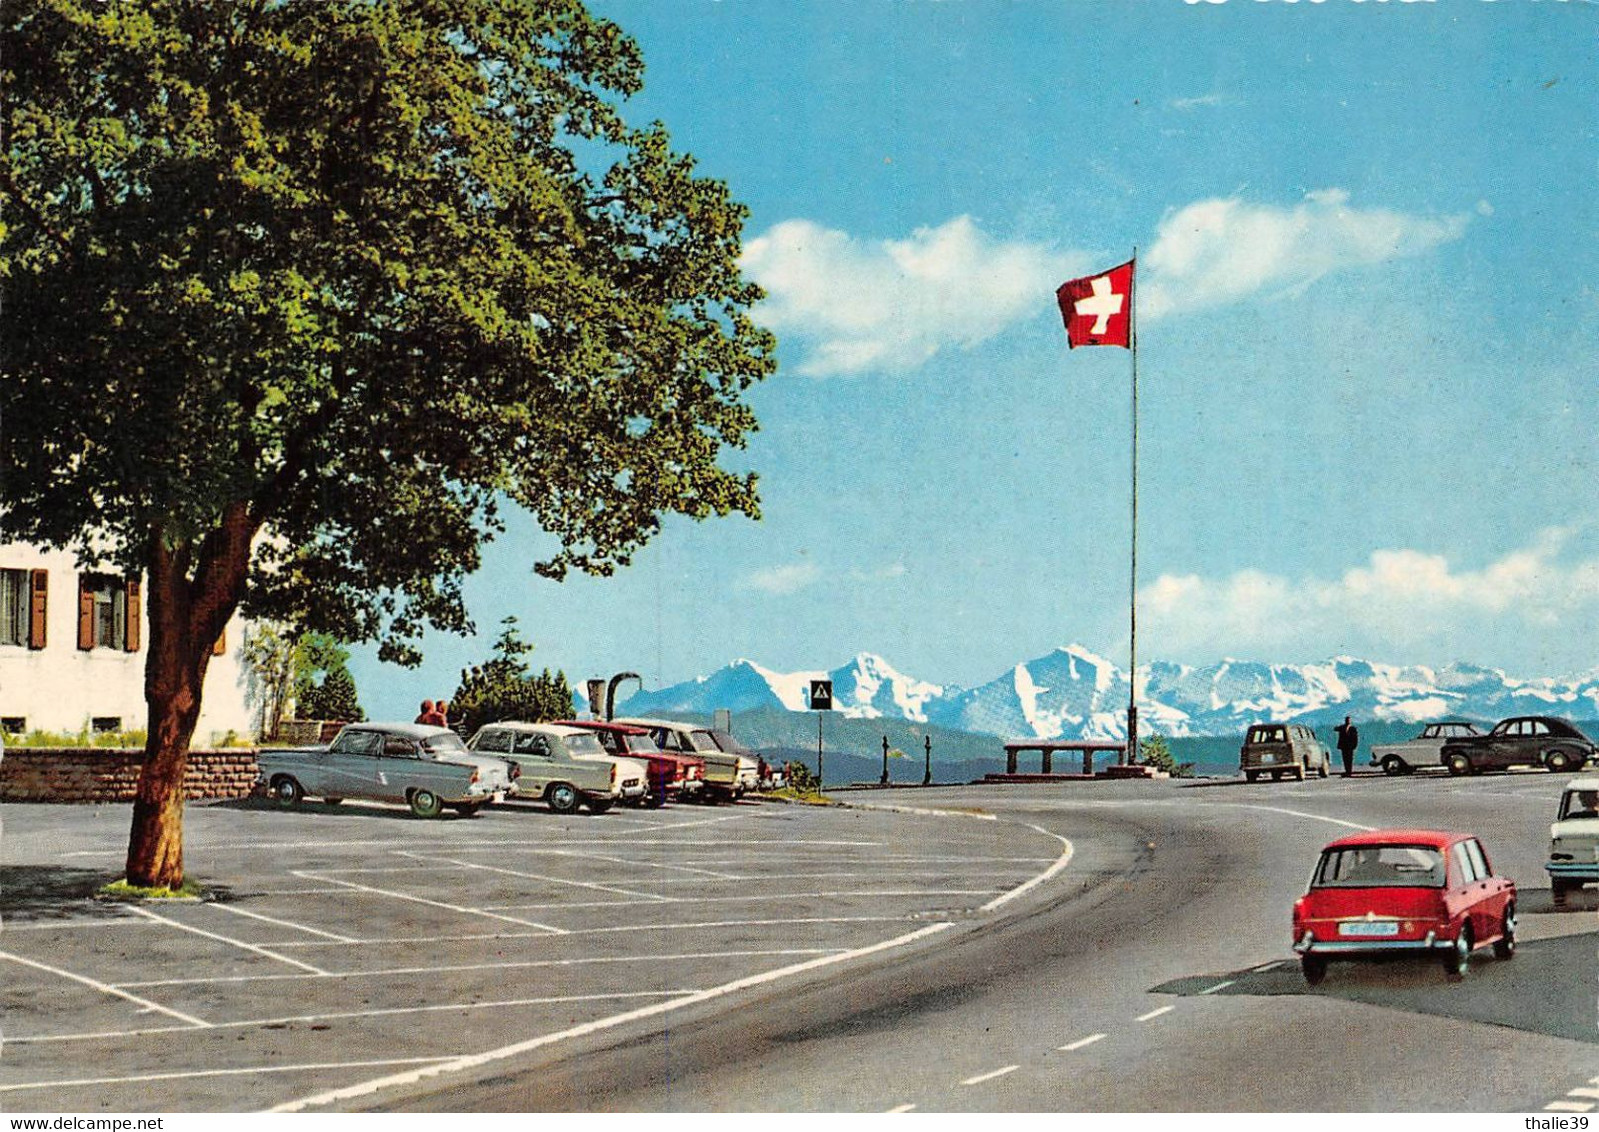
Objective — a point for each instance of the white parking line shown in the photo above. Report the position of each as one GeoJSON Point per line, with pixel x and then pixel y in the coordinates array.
{"type": "Point", "coordinates": [541, 877]}
{"type": "Point", "coordinates": [1219, 986]}
{"type": "Point", "coordinates": [980, 1078]}
{"type": "Point", "coordinates": [350, 884]}
{"type": "Point", "coordinates": [1081, 1042]}
{"type": "Point", "coordinates": [281, 923]}
{"type": "Point", "coordinates": [634, 862]}
{"type": "Point", "coordinates": [1156, 1013]}
{"type": "Point", "coordinates": [240, 944]}
{"type": "Point", "coordinates": [1590, 1093]}
{"type": "Point", "coordinates": [752, 897]}
{"type": "Point", "coordinates": [1567, 1106]}
{"type": "Point", "coordinates": [453, 968]}
{"type": "Point", "coordinates": [899, 1108]}
{"type": "Point", "coordinates": [1272, 966]}
{"type": "Point", "coordinates": [366, 1088]}
{"type": "Point", "coordinates": [105, 988]}
{"type": "Point", "coordinates": [317, 1066]}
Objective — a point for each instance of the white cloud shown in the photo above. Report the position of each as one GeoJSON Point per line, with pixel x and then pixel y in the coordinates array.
{"type": "Point", "coordinates": [781, 580]}
{"type": "Point", "coordinates": [1222, 250]}
{"type": "Point", "coordinates": [1400, 600]}
{"type": "Point", "coordinates": [892, 304]}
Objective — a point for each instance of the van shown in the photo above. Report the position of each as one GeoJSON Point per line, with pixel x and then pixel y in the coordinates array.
{"type": "Point", "coordinates": [1282, 748]}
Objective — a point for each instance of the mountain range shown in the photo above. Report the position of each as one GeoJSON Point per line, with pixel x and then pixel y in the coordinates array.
{"type": "Point", "coordinates": [1070, 693]}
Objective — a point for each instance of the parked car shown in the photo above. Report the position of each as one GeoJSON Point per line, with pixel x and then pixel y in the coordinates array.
{"type": "Point", "coordinates": [1403, 891]}
{"type": "Point", "coordinates": [727, 775]}
{"type": "Point", "coordinates": [427, 768]}
{"type": "Point", "coordinates": [1423, 751]}
{"type": "Point", "coordinates": [1574, 840]}
{"type": "Point", "coordinates": [672, 775]}
{"type": "Point", "coordinates": [562, 766]}
{"type": "Point", "coordinates": [1523, 740]}
{"type": "Point", "coordinates": [1282, 748]}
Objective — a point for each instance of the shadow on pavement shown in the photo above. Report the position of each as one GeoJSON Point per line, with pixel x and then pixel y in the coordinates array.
{"type": "Point", "coordinates": [1548, 988]}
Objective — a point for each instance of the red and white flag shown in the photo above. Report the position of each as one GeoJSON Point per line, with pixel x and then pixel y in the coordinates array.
{"type": "Point", "coordinates": [1098, 309]}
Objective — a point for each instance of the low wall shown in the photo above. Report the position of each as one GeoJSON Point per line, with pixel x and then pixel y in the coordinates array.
{"type": "Point", "coordinates": [102, 774]}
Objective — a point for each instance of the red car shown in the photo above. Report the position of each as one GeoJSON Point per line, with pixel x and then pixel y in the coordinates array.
{"type": "Point", "coordinates": [672, 775]}
{"type": "Point", "coordinates": [1404, 891]}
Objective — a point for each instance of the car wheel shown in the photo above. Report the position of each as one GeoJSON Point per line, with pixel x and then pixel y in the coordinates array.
{"type": "Point", "coordinates": [426, 804]}
{"type": "Point", "coordinates": [1321, 771]}
{"type": "Point", "coordinates": [1505, 945]}
{"type": "Point", "coordinates": [467, 809]}
{"type": "Point", "coordinates": [1314, 968]}
{"type": "Point", "coordinates": [1251, 775]}
{"type": "Point", "coordinates": [1458, 957]}
{"type": "Point", "coordinates": [1458, 764]}
{"type": "Point", "coordinates": [599, 805]}
{"type": "Point", "coordinates": [1559, 762]}
{"type": "Point", "coordinates": [286, 792]}
{"type": "Point", "coordinates": [562, 797]}
{"type": "Point", "coordinates": [1276, 776]}
{"type": "Point", "coordinates": [1299, 772]}
{"type": "Point", "coordinates": [1557, 891]}
{"type": "Point", "coordinates": [656, 800]}
{"type": "Point", "coordinates": [1393, 765]}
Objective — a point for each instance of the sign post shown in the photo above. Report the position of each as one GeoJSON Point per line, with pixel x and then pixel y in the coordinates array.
{"type": "Point", "coordinates": [821, 700]}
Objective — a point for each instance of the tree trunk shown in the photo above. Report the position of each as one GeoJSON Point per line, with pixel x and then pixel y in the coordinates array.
{"type": "Point", "coordinates": [186, 616]}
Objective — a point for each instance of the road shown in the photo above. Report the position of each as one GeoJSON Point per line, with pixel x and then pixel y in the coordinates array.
{"type": "Point", "coordinates": [1151, 973]}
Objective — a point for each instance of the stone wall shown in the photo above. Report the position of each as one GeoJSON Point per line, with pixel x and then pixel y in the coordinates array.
{"type": "Point", "coordinates": [100, 774]}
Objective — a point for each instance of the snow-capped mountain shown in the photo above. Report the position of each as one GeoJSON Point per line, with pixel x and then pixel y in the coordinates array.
{"type": "Point", "coordinates": [1072, 693]}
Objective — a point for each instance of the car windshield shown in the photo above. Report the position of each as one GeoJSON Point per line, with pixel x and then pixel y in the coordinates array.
{"type": "Point", "coordinates": [444, 743]}
{"type": "Point", "coordinates": [584, 743]}
{"type": "Point", "coordinates": [1579, 804]}
{"type": "Point", "coordinates": [702, 741]}
{"type": "Point", "coordinates": [1381, 866]}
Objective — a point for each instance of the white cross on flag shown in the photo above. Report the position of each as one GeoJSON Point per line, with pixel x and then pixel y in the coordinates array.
{"type": "Point", "coordinates": [1098, 309]}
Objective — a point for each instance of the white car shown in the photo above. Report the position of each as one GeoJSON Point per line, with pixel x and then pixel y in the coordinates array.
{"type": "Point", "coordinates": [1423, 750]}
{"type": "Point", "coordinates": [1574, 840]}
{"type": "Point", "coordinates": [563, 766]}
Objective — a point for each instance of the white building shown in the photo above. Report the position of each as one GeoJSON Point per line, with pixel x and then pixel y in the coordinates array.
{"type": "Point", "coordinates": [72, 652]}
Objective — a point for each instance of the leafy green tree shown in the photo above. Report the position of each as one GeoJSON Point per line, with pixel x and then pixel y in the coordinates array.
{"type": "Point", "coordinates": [1156, 752]}
{"type": "Point", "coordinates": [305, 293]}
{"type": "Point", "coordinates": [502, 688]}
{"type": "Point", "coordinates": [334, 698]}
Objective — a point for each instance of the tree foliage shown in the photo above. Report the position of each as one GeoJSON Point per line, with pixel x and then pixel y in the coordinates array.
{"type": "Point", "coordinates": [504, 688]}
{"type": "Point", "coordinates": [1155, 751]}
{"type": "Point", "coordinates": [307, 291]}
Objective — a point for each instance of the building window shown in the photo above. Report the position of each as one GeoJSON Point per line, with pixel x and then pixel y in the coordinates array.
{"type": "Point", "coordinates": [106, 724]}
{"type": "Point", "coordinates": [14, 724]}
{"type": "Point", "coordinates": [108, 612]}
{"type": "Point", "coordinates": [14, 607]}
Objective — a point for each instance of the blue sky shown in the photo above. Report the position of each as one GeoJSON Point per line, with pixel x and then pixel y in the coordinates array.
{"type": "Point", "coordinates": [1368, 236]}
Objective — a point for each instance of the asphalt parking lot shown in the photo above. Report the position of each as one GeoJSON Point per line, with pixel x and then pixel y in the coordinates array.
{"type": "Point", "coordinates": [345, 946]}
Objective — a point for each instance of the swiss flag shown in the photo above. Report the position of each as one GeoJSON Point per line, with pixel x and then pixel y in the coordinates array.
{"type": "Point", "coordinates": [1098, 309]}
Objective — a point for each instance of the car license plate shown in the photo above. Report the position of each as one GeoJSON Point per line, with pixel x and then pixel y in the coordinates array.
{"type": "Point", "coordinates": [497, 797]}
{"type": "Point", "coordinates": [1369, 928]}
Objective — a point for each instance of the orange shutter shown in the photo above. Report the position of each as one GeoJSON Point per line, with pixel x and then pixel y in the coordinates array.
{"type": "Point", "coordinates": [85, 612]}
{"type": "Point", "coordinates": [39, 591]}
{"type": "Point", "coordinates": [130, 639]}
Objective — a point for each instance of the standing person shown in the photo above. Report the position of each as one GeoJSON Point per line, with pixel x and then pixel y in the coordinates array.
{"type": "Point", "coordinates": [427, 710]}
{"type": "Point", "coordinates": [442, 708]}
{"type": "Point", "coordinates": [1348, 743]}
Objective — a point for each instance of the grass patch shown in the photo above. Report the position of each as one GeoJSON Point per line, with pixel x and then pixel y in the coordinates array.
{"type": "Point", "coordinates": [805, 797]}
{"type": "Point", "coordinates": [190, 889]}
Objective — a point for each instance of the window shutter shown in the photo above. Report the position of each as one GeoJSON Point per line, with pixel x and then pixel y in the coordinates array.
{"type": "Point", "coordinates": [85, 613]}
{"type": "Point", "coordinates": [38, 591]}
{"type": "Point", "coordinates": [221, 647]}
{"type": "Point", "coordinates": [135, 613]}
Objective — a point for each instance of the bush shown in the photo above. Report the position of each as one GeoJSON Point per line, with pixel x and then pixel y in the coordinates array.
{"type": "Point", "coordinates": [1156, 752]}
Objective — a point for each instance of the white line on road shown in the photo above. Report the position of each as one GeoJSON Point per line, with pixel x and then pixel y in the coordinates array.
{"type": "Point", "coordinates": [1272, 966]}
{"type": "Point", "coordinates": [1593, 1094]}
{"type": "Point", "coordinates": [105, 988]}
{"type": "Point", "coordinates": [350, 884]}
{"type": "Point", "coordinates": [1218, 986]}
{"type": "Point", "coordinates": [1567, 1106]}
{"type": "Point", "coordinates": [473, 1061]}
{"type": "Point", "coordinates": [218, 1073]}
{"type": "Point", "coordinates": [899, 1108]}
{"type": "Point", "coordinates": [281, 923]}
{"type": "Point", "coordinates": [980, 1078]}
{"type": "Point", "coordinates": [240, 944]}
{"type": "Point", "coordinates": [628, 892]}
{"type": "Point", "coordinates": [1081, 1042]}
{"type": "Point", "coordinates": [1156, 1013]}
{"type": "Point", "coordinates": [1060, 863]}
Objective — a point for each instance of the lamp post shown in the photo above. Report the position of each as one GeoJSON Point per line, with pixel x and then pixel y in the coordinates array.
{"type": "Point", "coordinates": [883, 781]}
{"type": "Point", "coordinates": [927, 746]}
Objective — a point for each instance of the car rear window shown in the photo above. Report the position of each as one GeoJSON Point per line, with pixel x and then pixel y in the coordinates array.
{"type": "Point", "coordinates": [584, 743]}
{"type": "Point", "coordinates": [1381, 866]}
{"type": "Point", "coordinates": [447, 742]}
{"type": "Point", "coordinates": [1267, 735]}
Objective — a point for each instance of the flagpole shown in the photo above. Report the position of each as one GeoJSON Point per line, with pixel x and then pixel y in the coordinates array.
{"type": "Point", "coordinates": [1132, 596]}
